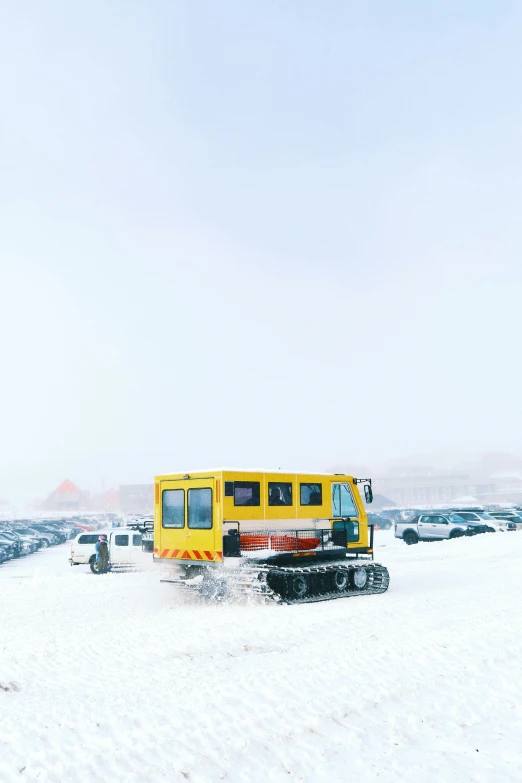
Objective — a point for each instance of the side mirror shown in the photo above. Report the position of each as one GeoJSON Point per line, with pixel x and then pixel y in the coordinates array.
{"type": "Point", "coordinates": [368, 494]}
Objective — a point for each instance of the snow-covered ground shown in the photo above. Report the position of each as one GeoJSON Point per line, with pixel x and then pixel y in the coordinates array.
{"type": "Point", "coordinates": [119, 678]}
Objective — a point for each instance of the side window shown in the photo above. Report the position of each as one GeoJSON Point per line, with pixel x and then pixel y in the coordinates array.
{"type": "Point", "coordinates": [311, 494]}
{"type": "Point", "coordinates": [435, 520]}
{"type": "Point", "coordinates": [279, 493]}
{"type": "Point", "coordinates": [88, 539]}
{"type": "Point", "coordinates": [424, 518]}
{"type": "Point", "coordinates": [467, 515]}
{"type": "Point", "coordinates": [229, 489]}
{"type": "Point", "coordinates": [136, 540]}
{"type": "Point", "coordinates": [246, 493]}
{"type": "Point", "coordinates": [121, 540]}
{"type": "Point", "coordinates": [173, 508]}
{"type": "Point", "coordinates": [200, 508]}
{"type": "Point", "coordinates": [343, 504]}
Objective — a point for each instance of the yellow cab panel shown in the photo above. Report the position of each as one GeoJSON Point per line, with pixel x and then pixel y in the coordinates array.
{"type": "Point", "coordinates": [187, 518]}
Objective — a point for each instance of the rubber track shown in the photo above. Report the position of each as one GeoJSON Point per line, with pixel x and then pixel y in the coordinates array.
{"type": "Point", "coordinates": [253, 580]}
{"type": "Point", "coordinates": [379, 580]}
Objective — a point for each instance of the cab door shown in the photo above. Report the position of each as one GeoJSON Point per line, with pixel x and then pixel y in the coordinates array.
{"type": "Point", "coordinates": [433, 526]}
{"type": "Point", "coordinates": [344, 505]}
{"type": "Point", "coordinates": [190, 527]}
{"type": "Point", "coordinates": [120, 547]}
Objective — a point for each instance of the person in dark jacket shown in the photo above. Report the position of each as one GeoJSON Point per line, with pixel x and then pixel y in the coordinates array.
{"type": "Point", "coordinates": [102, 554]}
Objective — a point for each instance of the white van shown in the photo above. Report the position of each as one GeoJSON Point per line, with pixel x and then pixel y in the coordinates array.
{"type": "Point", "coordinates": [125, 548]}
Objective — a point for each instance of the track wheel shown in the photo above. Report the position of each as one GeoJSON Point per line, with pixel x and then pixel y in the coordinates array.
{"type": "Point", "coordinates": [298, 586]}
{"type": "Point", "coordinates": [340, 580]}
{"type": "Point", "coordinates": [360, 578]}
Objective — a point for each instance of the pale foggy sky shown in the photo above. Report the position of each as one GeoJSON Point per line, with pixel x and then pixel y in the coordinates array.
{"type": "Point", "coordinates": [281, 233]}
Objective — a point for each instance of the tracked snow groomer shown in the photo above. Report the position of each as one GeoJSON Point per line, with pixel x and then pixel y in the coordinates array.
{"type": "Point", "coordinates": [291, 537]}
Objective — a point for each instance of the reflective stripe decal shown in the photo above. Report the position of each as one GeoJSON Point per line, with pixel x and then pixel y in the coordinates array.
{"type": "Point", "coordinates": [192, 554]}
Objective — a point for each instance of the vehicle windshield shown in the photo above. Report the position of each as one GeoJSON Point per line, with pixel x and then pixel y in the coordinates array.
{"type": "Point", "coordinates": [485, 515]}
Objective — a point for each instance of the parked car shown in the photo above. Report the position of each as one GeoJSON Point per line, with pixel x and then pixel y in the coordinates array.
{"type": "Point", "coordinates": [437, 526]}
{"type": "Point", "coordinates": [478, 515]}
{"type": "Point", "coordinates": [4, 554]}
{"type": "Point", "coordinates": [56, 528]}
{"type": "Point", "coordinates": [50, 536]}
{"type": "Point", "coordinates": [67, 527]}
{"type": "Point", "coordinates": [8, 546]}
{"type": "Point", "coordinates": [510, 516]}
{"type": "Point", "coordinates": [32, 535]}
{"type": "Point", "coordinates": [15, 540]}
{"type": "Point", "coordinates": [29, 540]}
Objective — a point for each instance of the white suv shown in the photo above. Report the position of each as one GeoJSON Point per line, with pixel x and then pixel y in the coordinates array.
{"type": "Point", "coordinates": [438, 525]}
{"type": "Point", "coordinates": [124, 547]}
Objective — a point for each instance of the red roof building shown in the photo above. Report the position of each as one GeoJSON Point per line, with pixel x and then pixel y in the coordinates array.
{"type": "Point", "coordinates": [67, 497]}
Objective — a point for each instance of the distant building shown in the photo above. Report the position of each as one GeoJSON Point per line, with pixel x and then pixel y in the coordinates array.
{"type": "Point", "coordinates": [494, 478]}
{"type": "Point", "coordinates": [106, 501]}
{"type": "Point", "coordinates": [413, 488]}
{"type": "Point", "coordinates": [67, 497]}
{"type": "Point", "coordinates": [112, 500]}
{"type": "Point", "coordinates": [137, 498]}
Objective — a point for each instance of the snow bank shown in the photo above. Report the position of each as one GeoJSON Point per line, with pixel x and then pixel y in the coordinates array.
{"type": "Point", "coordinates": [119, 678]}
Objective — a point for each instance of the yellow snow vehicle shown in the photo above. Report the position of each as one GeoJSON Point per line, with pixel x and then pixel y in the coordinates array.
{"type": "Point", "coordinates": [293, 537]}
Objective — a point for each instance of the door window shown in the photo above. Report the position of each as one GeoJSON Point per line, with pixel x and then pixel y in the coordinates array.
{"type": "Point", "coordinates": [343, 504]}
{"type": "Point", "coordinates": [173, 508]}
{"type": "Point", "coordinates": [200, 508]}
{"type": "Point", "coordinates": [136, 539]}
{"type": "Point", "coordinates": [121, 540]}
